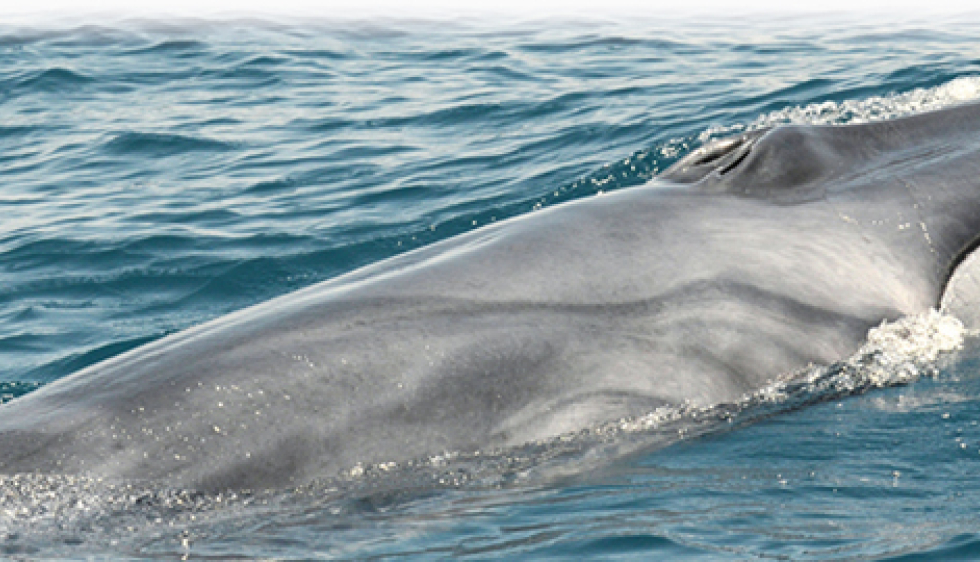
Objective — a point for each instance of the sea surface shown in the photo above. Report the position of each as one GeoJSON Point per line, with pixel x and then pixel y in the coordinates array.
{"type": "Point", "coordinates": [155, 174]}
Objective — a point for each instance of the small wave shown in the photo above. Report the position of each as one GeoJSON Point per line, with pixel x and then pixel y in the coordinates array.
{"type": "Point", "coordinates": [163, 144]}
{"type": "Point", "coordinates": [173, 47]}
{"type": "Point", "coordinates": [325, 125]}
{"type": "Point", "coordinates": [56, 79]}
{"type": "Point", "coordinates": [326, 54]}
{"type": "Point", "coordinates": [594, 43]}
{"type": "Point", "coordinates": [13, 131]}
{"type": "Point", "coordinates": [451, 54]}
{"type": "Point", "coordinates": [271, 186]}
{"type": "Point", "coordinates": [244, 75]}
{"type": "Point", "coordinates": [454, 116]}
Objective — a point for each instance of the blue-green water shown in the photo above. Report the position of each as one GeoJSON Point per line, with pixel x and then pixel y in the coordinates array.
{"type": "Point", "coordinates": [156, 174]}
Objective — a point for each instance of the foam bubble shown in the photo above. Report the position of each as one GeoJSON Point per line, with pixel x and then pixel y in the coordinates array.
{"type": "Point", "coordinates": [875, 108]}
{"type": "Point", "coordinates": [902, 351]}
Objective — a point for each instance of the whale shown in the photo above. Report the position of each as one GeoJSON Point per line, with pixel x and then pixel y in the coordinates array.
{"type": "Point", "coordinates": [748, 259]}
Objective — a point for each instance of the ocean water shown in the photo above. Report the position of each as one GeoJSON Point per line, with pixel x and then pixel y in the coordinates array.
{"type": "Point", "coordinates": [155, 174]}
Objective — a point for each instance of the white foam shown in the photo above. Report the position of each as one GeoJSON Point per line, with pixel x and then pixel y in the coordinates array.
{"type": "Point", "coordinates": [900, 352]}
{"type": "Point", "coordinates": [875, 108]}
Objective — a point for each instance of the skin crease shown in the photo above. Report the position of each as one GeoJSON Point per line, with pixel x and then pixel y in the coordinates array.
{"type": "Point", "coordinates": [748, 259]}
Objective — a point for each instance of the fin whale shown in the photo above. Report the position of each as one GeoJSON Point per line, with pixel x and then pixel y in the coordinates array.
{"type": "Point", "coordinates": [748, 259]}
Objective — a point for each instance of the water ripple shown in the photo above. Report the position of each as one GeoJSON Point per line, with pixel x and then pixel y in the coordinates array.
{"type": "Point", "coordinates": [162, 144]}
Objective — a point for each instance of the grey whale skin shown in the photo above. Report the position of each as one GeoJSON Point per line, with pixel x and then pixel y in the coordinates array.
{"type": "Point", "coordinates": [748, 259]}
